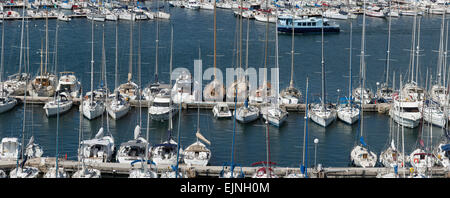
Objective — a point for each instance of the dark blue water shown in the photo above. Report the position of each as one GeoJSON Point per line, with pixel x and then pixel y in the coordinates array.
{"type": "Point", "coordinates": [194, 30]}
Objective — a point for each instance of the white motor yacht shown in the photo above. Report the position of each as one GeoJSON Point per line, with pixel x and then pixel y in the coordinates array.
{"type": "Point", "coordinates": [9, 149]}
{"type": "Point", "coordinates": [69, 83]}
{"type": "Point", "coordinates": [161, 106]}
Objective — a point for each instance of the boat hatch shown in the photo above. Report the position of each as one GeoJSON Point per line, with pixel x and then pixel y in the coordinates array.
{"type": "Point", "coordinates": [364, 156]}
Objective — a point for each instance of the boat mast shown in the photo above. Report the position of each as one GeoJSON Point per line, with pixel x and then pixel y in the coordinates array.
{"type": "Point", "coordinates": [215, 37]}
{"type": "Point", "coordinates": [363, 68]}
{"type": "Point", "coordinates": [157, 44]}
{"type": "Point", "coordinates": [2, 53]}
{"type": "Point", "coordinates": [445, 53]}
{"type": "Point", "coordinates": [350, 65]}
{"type": "Point", "coordinates": [323, 72]}
{"type": "Point", "coordinates": [388, 52]}
{"type": "Point", "coordinates": [240, 37]}
{"type": "Point", "coordinates": [291, 83]}
{"type": "Point", "coordinates": [305, 135]}
{"type": "Point", "coordinates": [440, 60]}
{"type": "Point", "coordinates": [116, 85]}
{"type": "Point", "coordinates": [413, 39]}
{"type": "Point", "coordinates": [46, 42]}
{"type": "Point", "coordinates": [139, 73]}
{"type": "Point", "coordinates": [246, 59]}
{"type": "Point", "coordinates": [21, 38]}
{"type": "Point", "coordinates": [170, 73]}
{"type": "Point", "coordinates": [92, 62]}
{"type": "Point", "coordinates": [418, 51]}
{"type": "Point", "coordinates": [130, 67]}
{"type": "Point", "coordinates": [268, 173]}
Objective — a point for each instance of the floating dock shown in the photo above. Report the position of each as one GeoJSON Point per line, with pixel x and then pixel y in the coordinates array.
{"type": "Point", "coordinates": [122, 170]}
{"type": "Point", "coordinates": [380, 107]}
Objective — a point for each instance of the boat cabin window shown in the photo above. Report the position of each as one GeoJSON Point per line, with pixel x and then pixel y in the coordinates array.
{"type": "Point", "coordinates": [364, 156]}
{"type": "Point", "coordinates": [65, 87]}
{"type": "Point", "coordinates": [135, 151]}
{"type": "Point", "coordinates": [161, 104]}
{"type": "Point", "coordinates": [387, 91]}
{"type": "Point", "coordinates": [308, 24]}
{"type": "Point", "coordinates": [410, 109]}
{"type": "Point", "coordinates": [313, 23]}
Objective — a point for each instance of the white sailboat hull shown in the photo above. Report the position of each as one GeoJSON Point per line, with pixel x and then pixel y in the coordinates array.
{"type": "Point", "coordinates": [7, 104]}
{"type": "Point", "coordinates": [93, 111]}
{"type": "Point", "coordinates": [361, 157]}
{"type": "Point", "coordinates": [52, 109]}
{"type": "Point", "coordinates": [323, 119]}
{"type": "Point", "coordinates": [347, 115]}
{"type": "Point", "coordinates": [118, 111]}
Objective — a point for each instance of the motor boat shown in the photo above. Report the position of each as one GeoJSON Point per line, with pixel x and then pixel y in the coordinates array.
{"type": "Point", "coordinates": [221, 110]}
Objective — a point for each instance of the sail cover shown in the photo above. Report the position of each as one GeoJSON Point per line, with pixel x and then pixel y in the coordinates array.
{"type": "Point", "coordinates": [445, 147]}
{"type": "Point", "coordinates": [361, 139]}
{"type": "Point", "coordinates": [137, 131]}
{"type": "Point", "coordinates": [200, 136]}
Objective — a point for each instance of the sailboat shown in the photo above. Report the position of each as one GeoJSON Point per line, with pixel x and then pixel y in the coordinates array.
{"type": "Point", "coordinates": [391, 156]}
{"type": "Point", "coordinates": [273, 113]}
{"type": "Point", "coordinates": [129, 89]}
{"type": "Point", "coordinates": [16, 84]}
{"type": "Point", "coordinates": [385, 92]}
{"type": "Point", "coordinates": [303, 169]}
{"type": "Point", "coordinates": [45, 84]}
{"type": "Point", "coordinates": [133, 149]}
{"type": "Point", "coordinates": [291, 95]}
{"type": "Point", "coordinates": [162, 107]}
{"type": "Point", "coordinates": [197, 153]}
{"type": "Point", "coordinates": [246, 113]}
{"type": "Point", "coordinates": [214, 91]}
{"type": "Point", "coordinates": [232, 172]}
{"type": "Point", "coordinates": [438, 92]}
{"type": "Point", "coordinates": [6, 102]}
{"type": "Point", "coordinates": [118, 106]}
{"type": "Point", "coordinates": [93, 104]}
{"type": "Point", "coordinates": [166, 152]}
{"type": "Point", "coordinates": [322, 114]}
{"type": "Point", "coordinates": [32, 150]}
{"type": "Point", "coordinates": [62, 101]}
{"type": "Point", "coordinates": [346, 111]}
{"type": "Point", "coordinates": [57, 171]}
{"type": "Point", "coordinates": [240, 82]}
{"type": "Point", "coordinates": [143, 172]}
{"type": "Point", "coordinates": [412, 91]}
{"type": "Point", "coordinates": [360, 154]}
{"type": "Point", "coordinates": [85, 171]}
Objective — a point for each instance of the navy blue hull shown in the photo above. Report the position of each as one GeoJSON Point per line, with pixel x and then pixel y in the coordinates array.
{"type": "Point", "coordinates": [307, 30]}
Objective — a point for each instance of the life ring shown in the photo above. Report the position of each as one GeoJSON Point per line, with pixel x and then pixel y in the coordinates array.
{"type": "Point", "coordinates": [86, 97]}
{"type": "Point", "coordinates": [411, 170]}
{"type": "Point", "coordinates": [416, 160]}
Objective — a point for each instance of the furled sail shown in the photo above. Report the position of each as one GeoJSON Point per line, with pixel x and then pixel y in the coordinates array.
{"type": "Point", "coordinates": [200, 136]}
{"type": "Point", "coordinates": [99, 133]}
{"type": "Point", "coordinates": [137, 131]}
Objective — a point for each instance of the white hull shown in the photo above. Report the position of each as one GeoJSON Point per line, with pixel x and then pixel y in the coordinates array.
{"type": "Point", "coordinates": [7, 104]}
{"type": "Point", "coordinates": [140, 173]}
{"type": "Point", "coordinates": [92, 112]}
{"type": "Point", "coordinates": [25, 172]}
{"type": "Point", "coordinates": [51, 173]}
{"type": "Point", "coordinates": [246, 115]}
{"type": "Point", "coordinates": [87, 173]}
{"type": "Point", "coordinates": [52, 110]}
{"type": "Point", "coordinates": [347, 115]}
{"type": "Point", "coordinates": [361, 157]}
{"type": "Point", "coordinates": [118, 111]}
{"type": "Point", "coordinates": [323, 118]}
{"type": "Point", "coordinates": [404, 120]}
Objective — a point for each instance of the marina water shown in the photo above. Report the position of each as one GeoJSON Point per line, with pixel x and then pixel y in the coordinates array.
{"type": "Point", "coordinates": [193, 29]}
